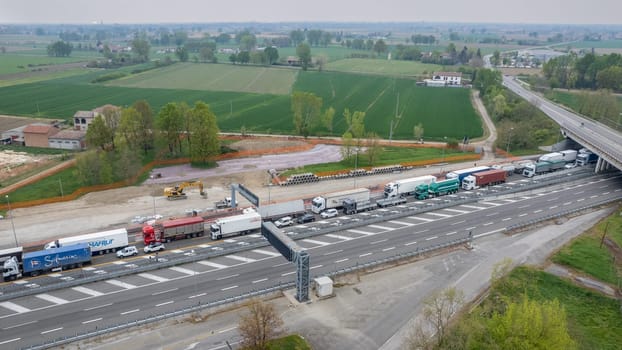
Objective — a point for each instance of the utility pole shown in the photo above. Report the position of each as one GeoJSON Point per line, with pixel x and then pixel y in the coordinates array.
{"type": "Point", "coordinates": [11, 216]}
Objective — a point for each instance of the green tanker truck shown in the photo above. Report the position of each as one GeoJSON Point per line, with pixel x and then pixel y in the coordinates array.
{"type": "Point", "coordinates": [438, 188]}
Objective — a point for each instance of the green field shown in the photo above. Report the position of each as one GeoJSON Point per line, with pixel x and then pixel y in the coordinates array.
{"type": "Point", "coordinates": [602, 44]}
{"type": "Point", "coordinates": [18, 63]}
{"type": "Point", "coordinates": [382, 66]}
{"type": "Point", "coordinates": [214, 77]}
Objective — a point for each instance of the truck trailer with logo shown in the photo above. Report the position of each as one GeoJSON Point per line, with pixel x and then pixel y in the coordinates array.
{"type": "Point", "coordinates": [100, 242]}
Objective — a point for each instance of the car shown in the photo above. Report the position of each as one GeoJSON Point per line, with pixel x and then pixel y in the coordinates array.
{"type": "Point", "coordinates": [127, 251]}
{"type": "Point", "coordinates": [153, 247]}
{"type": "Point", "coordinates": [284, 221]}
{"type": "Point", "coordinates": [570, 166]}
{"type": "Point", "coordinates": [329, 213]}
{"type": "Point", "coordinates": [306, 217]}
{"type": "Point", "coordinates": [139, 219]}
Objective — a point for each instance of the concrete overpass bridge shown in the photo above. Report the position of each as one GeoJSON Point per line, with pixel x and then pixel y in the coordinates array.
{"type": "Point", "coordinates": [598, 138]}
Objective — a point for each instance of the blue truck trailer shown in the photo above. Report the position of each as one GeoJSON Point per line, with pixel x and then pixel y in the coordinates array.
{"type": "Point", "coordinates": [35, 263]}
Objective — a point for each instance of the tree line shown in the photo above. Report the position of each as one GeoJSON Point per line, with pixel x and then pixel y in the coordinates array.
{"type": "Point", "coordinates": [588, 72]}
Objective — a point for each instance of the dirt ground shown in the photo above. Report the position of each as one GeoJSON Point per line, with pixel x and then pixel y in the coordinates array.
{"type": "Point", "coordinates": [16, 163]}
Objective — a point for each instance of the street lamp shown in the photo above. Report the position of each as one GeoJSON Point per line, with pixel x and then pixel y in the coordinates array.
{"type": "Point", "coordinates": [11, 216]}
{"type": "Point", "coordinates": [509, 138]}
{"type": "Point", "coordinates": [269, 190]}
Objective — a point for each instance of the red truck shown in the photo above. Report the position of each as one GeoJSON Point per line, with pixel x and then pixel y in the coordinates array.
{"type": "Point", "coordinates": [484, 178]}
{"type": "Point", "coordinates": [172, 229]}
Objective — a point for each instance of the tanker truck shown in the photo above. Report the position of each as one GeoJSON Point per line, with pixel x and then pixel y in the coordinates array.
{"type": "Point", "coordinates": [438, 188]}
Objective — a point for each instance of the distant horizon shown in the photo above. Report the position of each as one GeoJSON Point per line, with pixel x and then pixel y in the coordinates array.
{"type": "Point", "coordinates": [537, 12]}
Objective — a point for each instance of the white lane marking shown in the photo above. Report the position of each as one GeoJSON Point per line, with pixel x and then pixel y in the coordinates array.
{"type": "Point", "coordinates": [227, 288]}
{"type": "Point", "coordinates": [227, 330]}
{"type": "Point", "coordinates": [261, 280]}
{"type": "Point", "coordinates": [553, 207]}
{"type": "Point", "coordinates": [165, 291]}
{"type": "Point", "coordinates": [400, 223]}
{"type": "Point", "coordinates": [489, 233]}
{"type": "Point", "coordinates": [441, 215]}
{"type": "Point", "coordinates": [457, 211]}
{"type": "Point", "coordinates": [281, 264]}
{"type": "Point", "coordinates": [362, 232]}
{"type": "Point", "coordinates": [227, 277]}
{"type": "Point", "coordinates": [97, 307]}
{"type": "Point", "coordinates": [10, 341]}
{"type": "Point", "coordinates": [130, 311]}
{"type": "Point", "coordinates": [288, 273]}
{"type": "Point", "coordinates": [580, 200]}
{"type": "Point", "coordinates": [470, 228]}
{"type": "Point", "coordinates": [87, 291]}
{"type": "Point", "coordinates": [508, 200]}
{"type": "Point", "coordinates": [341, 260]}
{"type": "Point", "coordinates": [418, 218]}
{"type": "Point", "coordinates": [183, 270]}
{"type": "Point", "coordinates": [315, 267]}
{"type": "Point", "coordinates": [380, 241]}
{"type": "Point", "coordinates": [52, 330]}
{"type": "Point", "coordinates": [458, 222]}
{"type": "Point", "coordinates": [521, 215]}
{"type": "Point", "coordinates": [537, 211]}
{"type": "Point", "coordinates": [14, 307]}
{"type": "Point", "coordinates": [385, 228]}
{"type": "Point", "coordinates": [19, 325]}
{"type": "Point", "coordinates": [121, 284]}
{"type": "Point", "coordinates": [506, 219]}
{"type": "Point", "coordinates": [333, 252]}
{"type": "Point", "coordinates": [451, 233]}
{"type": "Point", "coordinates": [240, 258]}
{"type": "Point", "coordinates": [165, 303]}
{"type": "Point", "coordinates": [473, 207]}
{"type": "Point", "coordinates": [343, 238]}
{"type": "Point", "coordinates": [313, 241]}
{"type": "Point", "coordinates": [491, 203]}
{"type": "Point", "coordinates": [212, 264]}
{"type": "Point", "coordinates": [567, 203]}
{"type": "Point", "coordinates": [492, 214]}
{"type": "Point", "coordinates": [387, 249]}
{"type": "Point", "coordinates": [524, 206]}
{"type": "Point", "coordinates": [153, 277]}
{"type": "Point", "coordinates": [488, 223]}
{"type": "Point", "coordinates": [431, 238]}
{"type": "Point", "coordinates": [51, 298]}
{"type": "Point", "coordinates": [196, 296]}
{"type": "Point", "coordinates": [366, 254]}
{"type": "Point", "coordinates": [177, 251]}
{"type": "Point", "coordinates": [93, 320]}
{"type": "Point", "coordinates": [204, 245]}
{"type": "Point", "coordinates": [593, 196]}
{"type": "Point", "coordinates": [411, 243]}
{"type": "Point", "coordinates": [266, 252]}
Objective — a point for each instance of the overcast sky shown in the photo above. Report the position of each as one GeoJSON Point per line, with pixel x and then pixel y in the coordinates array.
{"type": "Point", "coordinates": [176, 11]}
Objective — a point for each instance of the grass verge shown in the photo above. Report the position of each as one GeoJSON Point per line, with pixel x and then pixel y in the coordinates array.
{"type": "Point", "coordinates": [290, 342]}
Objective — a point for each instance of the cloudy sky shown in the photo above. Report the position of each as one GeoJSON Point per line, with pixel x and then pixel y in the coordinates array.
{"type": "Point", "coordinates": [171, 11]}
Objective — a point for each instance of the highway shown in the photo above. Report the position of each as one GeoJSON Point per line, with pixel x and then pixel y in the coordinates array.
{"type": "Point", "coordinates": [604, 141]}
{"type": "Point", "coordinates": [38, 318]}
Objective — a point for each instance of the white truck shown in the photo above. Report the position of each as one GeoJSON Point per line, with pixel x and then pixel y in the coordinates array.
{"type": "Point", "coordinates": [236, 225]}
{"type": "Point", "coordinates": [279, 210]}
{"type": "Point", "coordinates": [570, 155]}
{"type": "Point", "coordinates": [551, 157]}
{"type": "Point", "coordinates": [335, 200]}
{"type": "Point", "coordinates": [100, 242]}
{"type": "Point", "coordinates": [406, 187]}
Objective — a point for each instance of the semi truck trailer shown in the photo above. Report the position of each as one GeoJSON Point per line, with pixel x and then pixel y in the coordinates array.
{"type": "Point", "coordinates": [389, 202]}
{"type": "Point", "coordinates": [236, 225]}
{"type": "Point", "coordinates": [551, 157]}
{"type": "Point", "coordinates": [406, 187]}
{"type": "Point", "coordinates": [570, 155]}
{"type": "Point", "coordinates": [542, 167]}
{"type": "Point", "coordinates": [35, 263]}
{"type": "Point", "coordinates": [462, 173]}
{"type": "Point", "coordinates": [335, 200]}
{"type": "Point", "coordinates": [100, 242]}
{"type": "Point", "coordinates": [279, 210]}
{"type": "Point", "coordinates": [173, 229]}
{"type": "Point", "coordinates": [352, 207]}
{"type": "Point", "coordinates": [438, 188]}
{"type": "Point", "coordinates": [484, 178]}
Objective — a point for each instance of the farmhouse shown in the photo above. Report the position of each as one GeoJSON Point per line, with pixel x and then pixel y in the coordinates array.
{"type": "Point", "coordinates": [36, 135]}
{"type": "Point", "coordinates": [444, 79]}
{"type": "Point", "coordinates": [68, 139]}
{"type": "Point", "coordinates": [82, 119]}
{"type": "Point", "coordinates": [293, 60]}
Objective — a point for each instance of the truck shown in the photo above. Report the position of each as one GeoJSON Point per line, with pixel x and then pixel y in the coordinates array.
{"type": "Point", "coordinates": [41, 261]}
{"type": "Point", "coordinates": [236, 225]}
{"type": "Point", "coordinates": [438, 188]}
{"type": "Point", "coordinates": [6, 254]}
{"type": "Point", "coordinates": [100, 242]}
{"type": "Point", "coordinates": [352, 207]}
{"type": "Point", "coordinates": [172, 229]}
{"type": "Point", "coordinates": [484, 178]}
{"type": "Point", "coordinates": [223, 203]}
{"type": "Point", "coordinates": [509, 168]}
{"type": "Point", "coordinates": [586, 158]}
{"type": "Point", "coordinates": [335, 200]}
{"type": "Point", "coordinates": [542, 167]}
{"type": "Point", "coordinates": [461, 174]}
{"type": "Point", "coordinates": [388, 202]}
{"type": "Point", "coordinates": [551, 157]}
{"type": "Point", "coordinates": [279, 210]}
{"type": "Point", "coordinates": [406, 187]}
{"type": "Point", "coordinates": [570, 155]}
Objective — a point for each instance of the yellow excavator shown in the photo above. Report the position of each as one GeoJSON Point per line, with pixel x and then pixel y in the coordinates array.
{"type": "Point", "coordinates": [177, 192]}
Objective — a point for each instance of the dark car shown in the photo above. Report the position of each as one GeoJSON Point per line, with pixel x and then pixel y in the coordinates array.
{"type": "Point", "coordinates": [306, 217]}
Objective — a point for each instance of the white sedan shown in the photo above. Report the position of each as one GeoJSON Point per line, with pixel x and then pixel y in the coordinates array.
{"type": "Point", "coordinates": [329, 213]}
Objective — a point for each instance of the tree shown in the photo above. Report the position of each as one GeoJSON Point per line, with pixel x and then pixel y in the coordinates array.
{"type": "Point", "coordinates": [248, 42]}
{"type": "Point", "coordinates": [205, 144]}
{"type": "Point", "coordinates": [499, 105]}
{"type": "Point", "coordinates": [180, 37]}
{"type": "Point", "coordinates": [418, 132]}
{"type": "Point", "coordinates": [223, 38]}
{"type": "Point", "coordinates": [182, 53]}
{"type": "Point", "coordinates": [98, 134]}
{"type": "Point", "coordinates": [297, 36]}
{"type": "Point", "coordinates": [140, 48]}
{"type": "Point", "coordinates": [380, 46]}
{"type": "Point", "coordinates": [496, 58]}
{"type": "Point", "coordinates": [260, 325]}
{"type": "Point", "coordinates": [303, 51]}
{"type": "Point", "coordinates": [272, 54]}
{"type": "Point", "coordinates": [327, 119]}
{"type": "Point", "coordinates": [321, 61]}
{"type": "Point", "coordinates": [347, 146]}
{"type": "Point", "coordinates": [355, 122]}
{"type": "Point", "coordinates": [374, 149]}
{"type": "Point", "coordinates": [244, 57]}
{"type": "Point", "coordinates": [306, 108]}
{"type": "Point", "coordinates": [59, 49]}
{"type": "Point", "coordinates": [207, 55]}
{"type": "Point", "coordinates": [233, 58]}
{"type": "Point", "coordinates": [94, 168]}
{"type": "Point", "coordinates": [170, 123]}
{"type": "Point", "coordinates": [130, 127]}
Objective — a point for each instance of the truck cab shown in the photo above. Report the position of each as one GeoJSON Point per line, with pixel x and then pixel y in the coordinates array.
{"type": "Point", "coordinates": [469, 183]}
{"type": "Point", "coordinates": [318, 204]}
{"type": "Point", "coordinates": [10, 270]}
